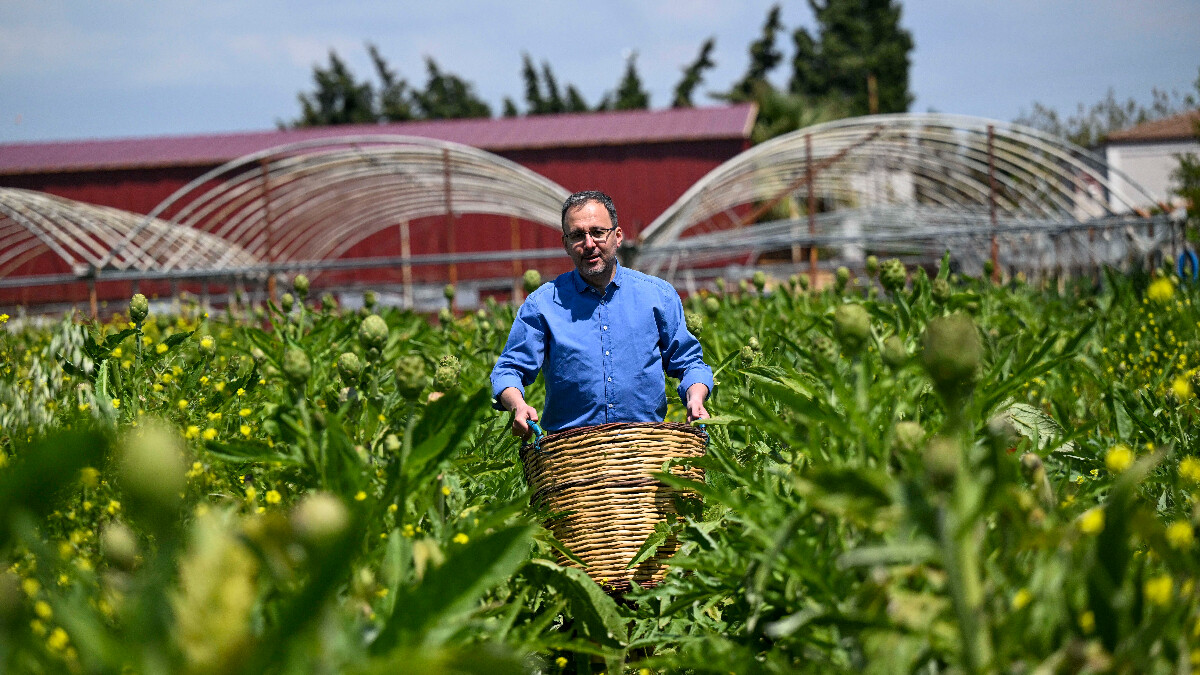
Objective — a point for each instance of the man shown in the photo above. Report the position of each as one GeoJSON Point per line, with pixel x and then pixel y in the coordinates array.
{"type": "Point", "coordinates": [603, 335]}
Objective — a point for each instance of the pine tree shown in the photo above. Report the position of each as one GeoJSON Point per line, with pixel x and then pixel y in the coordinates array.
{"type": "Point", "coordinates": [764, 57]}
{"type": "Point", "coordinates": [554, 101]}
{"type": "Point", "coordinates": [693, 75]}
{"type": "Point", "coordinates": [630, 95]}
{"type": "Point", "coordinates": [575, 101]}
{"type": "Point", "coordinates": [861, 55]}
{"type": "Point", "coordinates": [338, 99]}
{"type": "Point", "coordinates": [447, 96]}
{"type": "Point", "coordinates": [395, 99]}
{"type": "Point", "coordinates": [534, 102]}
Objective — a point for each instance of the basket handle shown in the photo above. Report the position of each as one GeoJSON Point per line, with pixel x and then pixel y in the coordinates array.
{"type": "Point", "coordinates": [538, 433]}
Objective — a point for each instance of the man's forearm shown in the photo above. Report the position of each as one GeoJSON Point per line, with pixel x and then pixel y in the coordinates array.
{"type": "Point", "coordinates": [697, 392]}
{"type": "Point", "coordinates": [510, 398]}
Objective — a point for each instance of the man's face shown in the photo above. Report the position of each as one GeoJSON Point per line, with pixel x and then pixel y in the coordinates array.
{"type": "Point", "coordinates": [595, 261]}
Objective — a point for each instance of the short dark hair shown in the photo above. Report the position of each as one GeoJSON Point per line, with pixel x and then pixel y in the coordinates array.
{"type": "Point", "coordinates": [581, 198]}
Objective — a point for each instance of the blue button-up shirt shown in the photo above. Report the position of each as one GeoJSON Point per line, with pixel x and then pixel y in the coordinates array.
{"type": "Point", "coordinates": [604, 356]}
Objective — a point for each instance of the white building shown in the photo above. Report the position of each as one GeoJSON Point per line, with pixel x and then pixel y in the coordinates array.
{"type": "Point", "coordinates": [1147, 154]}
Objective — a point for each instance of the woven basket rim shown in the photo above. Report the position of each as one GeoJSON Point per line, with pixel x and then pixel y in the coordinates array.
{"type": "Point", "coordinates": [618, 426]}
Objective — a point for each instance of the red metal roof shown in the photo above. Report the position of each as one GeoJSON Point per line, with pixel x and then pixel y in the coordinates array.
{"type": "Point", "coordinates": [509, 133]}
{"type": "Point", "coordinates": [1174, 128]}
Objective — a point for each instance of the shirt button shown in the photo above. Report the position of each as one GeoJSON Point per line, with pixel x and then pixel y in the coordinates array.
{"type": "Point", "coordinates": [610, 405]}
{"type": "Point", "coordinates": [605, 327]}
{"type": "Point", "coordinates": [610, 379]}
{"type": "Point", "coordinates": [606, 352]}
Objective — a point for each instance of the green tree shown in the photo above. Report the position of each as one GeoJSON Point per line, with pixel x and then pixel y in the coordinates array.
{"type": "Point", "coordinates": [630, 95]}
{"type": "Point", "coordinates": [339, 98]}
{"type": "Point", "coordinates": [575, 101]}
{"type": "Point", "coordinates": [1186, 177]}
{"type": "Point", "coordinates": [764, 57]}
{"type": "Point", "coordinates": [693, 75]}
{"type": "Point", "coordinates": [554, 100]}
{"type": "Point", "coordinates": [1090, 125]}
{"type": "Point", "coordinates": [447, 96]}
{"type": "Point", "coordinates": [860, 54]}
{"type": "Point", "coordinates": [395, 100]}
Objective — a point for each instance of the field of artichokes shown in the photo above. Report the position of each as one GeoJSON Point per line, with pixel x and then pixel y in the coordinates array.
{"type": "Point", "coordinates": [905, 474]}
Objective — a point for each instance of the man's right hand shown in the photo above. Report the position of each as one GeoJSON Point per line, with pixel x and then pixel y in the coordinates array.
{"type": "Point", "coordinates": [523, 413]}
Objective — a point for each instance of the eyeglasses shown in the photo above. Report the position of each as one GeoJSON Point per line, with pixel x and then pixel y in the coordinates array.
{"type": "Point", "coordinates": [598, 235]}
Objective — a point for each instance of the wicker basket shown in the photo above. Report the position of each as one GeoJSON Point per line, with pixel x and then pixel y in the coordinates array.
{"type": "Point", "coordinates": [600, 478]}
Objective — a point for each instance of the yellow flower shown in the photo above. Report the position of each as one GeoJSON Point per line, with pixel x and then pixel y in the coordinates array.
{"type": "Point", "coordinates": [207, 342]}
{"type": "Point", "coordinates": [446, 490]}
{"type": "Point", "coordinates": [409, 531]}
{"type": "Point", "coordinates": [209, 434]}
{"type": "Point", "coordinates": [157, 387]}
{"type": "Point", "coordinates": [273, 497]}
{"type": "Point", "coordinates": [561, 662]}
{"type": "Point", "coordinates": [1092, 520]}
{"type": "Point", "coordinates": [240, 391]}
{"type": "Point", "coordinates": [392, 508]}
{"type": "Point", "coordinates": [116, 353]}
{"type": "Point", "coordinates": [214, 416]}
{"type": "Point", "coordinates": [42, 609]}
{"type": "Point", "coordinates": [461, 538]}
{"type": "Point", "coordinates": [1158, 590]}
{"type": "Point", "coordinates": [3, 319]}
{"type": "Point", "coordinates": [1087, 621]}
{"type": "Point", "coordinates": [203, 379]}
{"type": "Point", "coordinates": [116, 403]}
{"type": "Point", "coordinates": [31, 587]}
{"type": "Point", "coordinates": [1118, 458]}
{"type": "Point", "coordinates": [360, 496]}
{"type": "Point", "coordinates": [251, 493]}
{"type": "Point", "coordinates": [161, 348]}
{"type": "Point", "coordinates": [220, 386]}
{"type": "Point", "coordinates": [245, 429]}
{"type": "Point", "coordinates": [147, 340]}
{"type": "Point", "coordinates": [1180, 534]}
{"type": "Point", "coordinates": [89, 476]}
{"type": "Point", "coordinates": [113, 507]}
{"type": "Point", "coordinates": [192, 431]}
{"type": "Point", "coordinates": [1181, 388]}
{"type": "Point", "coordinates": [1189, 469]}
{"type": "Point", "coordinates": [244, 412]}
{"type": "Point", "coordinates": [58, 640]}
{"type": "Point", "coordinates": [1021, 599]}
{"type": "Point", "coordinates": [182, 403]}
{"type": "Point", "coordinates": [1161, 290]}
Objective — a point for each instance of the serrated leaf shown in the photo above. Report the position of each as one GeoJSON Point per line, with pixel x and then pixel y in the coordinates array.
{"type": "Point", "coordinates": [591, 607]}
{"type": "Point", "coordinates": [650, 546]}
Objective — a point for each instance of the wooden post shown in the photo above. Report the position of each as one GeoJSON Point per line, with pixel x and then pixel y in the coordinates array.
{"type": "Point", "coordinates": [406, 274]}
{"type": "Point", "coordinates": [269, 218]}
{"type": "Point", "coordinates": [992, 202]}
{"type": "Point", "coordinates": [812, 210]}
{"type": "Point", "coordinates": [92, 297]}
{"type": "Point", "coordinates": [449, 214]}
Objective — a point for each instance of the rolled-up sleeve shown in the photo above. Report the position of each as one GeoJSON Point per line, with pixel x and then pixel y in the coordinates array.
{"type": "Point", "coordinates": [521, 360]}
{"type": "Point", "coordinates": [683, 357]}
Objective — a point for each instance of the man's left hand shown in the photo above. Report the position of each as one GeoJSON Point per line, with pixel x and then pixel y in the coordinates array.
{"type": "Point", "coordinates": [695, 402]}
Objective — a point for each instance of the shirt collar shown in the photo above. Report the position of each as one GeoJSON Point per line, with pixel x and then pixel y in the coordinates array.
{"type": "Point", "coordinates": [581, 286]}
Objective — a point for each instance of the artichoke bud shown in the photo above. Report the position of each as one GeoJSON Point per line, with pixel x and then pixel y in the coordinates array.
{"type": "Point", "coordinates": [208, 345]}
{"type": "Point", "coordinates": [373, 332]}
{"type": "Point", "coordinates": [803, 281]}
{"type": "Point", "coordinates": [286, 302]}
{"type": "Point", "coordinates": [720, 284]}
{"type": "Point", "coordinates": [119, 545]}
{"type": "Point", "coordinates": [296, 366]}
{"type": "Point", "coordinates": [349, 367]}
{"type": "Point", "coordinates": [894, 353]}
{"type": "Point", "coordinates": [445, 378]}
{"type": "Point", "coordinates": [851, 325]}
{"type": "Point", "coordinates": [759, 280]}
{"type": "Point", "coordinates": [448, 292]}
{"type": "Point", "coordinates": [941, 461]}
{"type": "Point", "coordinates": [532, 280]}
{"type": "Point", "coordinates": [989, 268]}
{"type": "Point", "coordinates": [951, 352]}
{"type": "Point", "coordinates": [941, 291]}
{"type": "Point", "coordinates": [694, 322]}
{"type": "Point", "coordinates": [151, 471]}
{"type": "Point", "coordinates": [300, 285]}
{"type": "Point", "coordinates": [328, 303]}
{"type": "Point", "coordinates": [824, 347]}
{"type": "Point", "coordinates": [748, 355]}
{"type": "Point", "coordinates": [446, 316]}
{"type": "Point", "coordinates": [410, 376]}
{"type": "Point", "coordinates": [909, 436]}
{"type": "Point", "coordinates": [841, 278]}
{"type": "Point", "coordinates": [369, 300]}
{"type": "Point", "coordinates": [258, 355]}
{"type": "Point", "coordinates": [1031, 464]}
{"type": "Point", "coordinates": [139, 308]}
{"type": "Point", "coordinates": [872, 266]}
{"type": "Point", "coordinates": [712, 305]}
{"type": "Point", "coordinates": [893, 275]}
{"type": "Point", "coordinates": [320, 519]}
{"type": "Point", "coordinates": [391, 443]}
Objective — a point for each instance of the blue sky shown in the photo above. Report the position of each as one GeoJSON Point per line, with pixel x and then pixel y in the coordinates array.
{"type": "Point", "coordinates": [120, 68]}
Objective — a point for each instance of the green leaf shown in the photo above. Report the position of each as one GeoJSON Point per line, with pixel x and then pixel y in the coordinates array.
{"type": "Point", "coordinates": [596, 612]}
{"type": "Point", "coordinates": [246, 451]}
{"type": "Point", "coordinates": [547, 537]}
{"type": "Point", "coordinates": [426, 613]}
{"type": "Point", "coordinates": [656, 539]}
{"type": "Point", "coordinates": [112, 341]}
{"type": "Point", "coordinates": [442, 428]}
